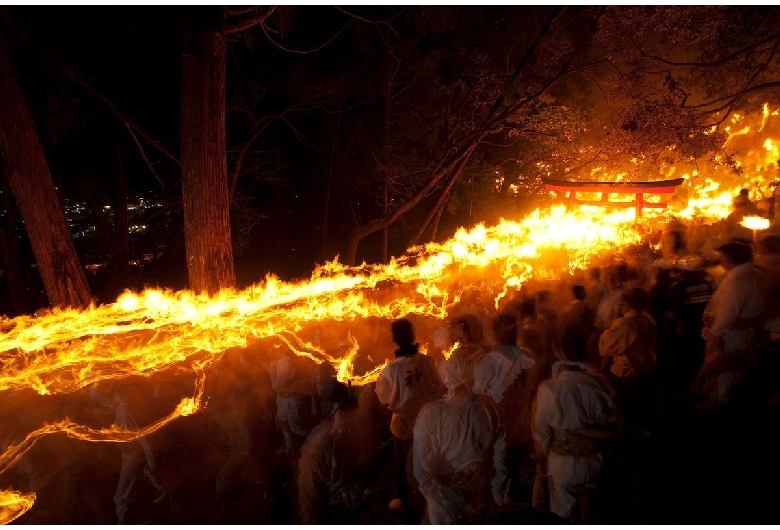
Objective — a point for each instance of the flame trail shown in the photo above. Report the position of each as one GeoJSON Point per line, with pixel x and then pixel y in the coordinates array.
{"type": "Point", "coordinates": [66, 350]}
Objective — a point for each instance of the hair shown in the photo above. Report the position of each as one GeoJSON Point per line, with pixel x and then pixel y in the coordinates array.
{"type": "Point", "coordinates": [614, 279]}
{"type": "Point", "coordinates": [737, 251]}
{"type": "Point", "coordinates": [527, 309]}
{"type": "Point", "coordinates": [629, 299]}
{"type": "Point", "coordinates": [342, 397]}
{"type": "Point", "coordinates": [543, 296]}
{"type": "Point", "coordinates": [595, 273]}
{"type": "Point", "coordinates": [512, 306]}
{"type": "Point", "coordinates": [505, 329]}
{"type": "Point", "coordinates": [573, 347]}
{"type": "Point", "coordinates": [676, 240]}
{"type": "Point", "coordinates": [579, 292]}
{"type": "Point", "coordinates": [403, 332]}
{"type": "Point", "coordinates": [471, 325]}
{"type": "Point", "coordinates": [769, 245]}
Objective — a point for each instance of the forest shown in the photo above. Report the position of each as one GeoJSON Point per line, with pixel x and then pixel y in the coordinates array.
{"type": "Point", "coordinates": [329, 131]}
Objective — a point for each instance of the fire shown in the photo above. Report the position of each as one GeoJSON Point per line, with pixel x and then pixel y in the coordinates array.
{"type": "Point", "coordinates": [65, 351]}
{"type": "Point", "coordinates": [755, 222]}
{"type": "Point", "coordinates": [14, 504]}
{"type": "Point", "coordinates": [448, 352]}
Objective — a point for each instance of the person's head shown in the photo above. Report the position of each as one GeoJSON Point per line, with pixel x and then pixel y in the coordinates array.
{"type": "Point", "coordinates": [453, 373]}
{"type": "Point", "coordinates": [595, 274]}
{"type": "Point", "coordinates": [768, 245]}
{"type": "Point", "coordinates": [342, 398]}
{"type": "Point", "coordinates": [505, 329]}
{"type": "Point", "coordinates": [626, 303]}
{"type": "Point", "coordinates": [578, 292]}
{"type": "Point", "coordinates": [466, 329]}
{"type": "Point", "coordinates": [742, 198]}
{"type": "Point", "coordinates": [543, 297]}
{"type": "Point", "coordinates": [526, 310]}
{"type": "Point", "coordinates": [734, 253]}
{"type": "Point", "coordinates": [403, 332]}
{"type": "Point", "coordinates": [672, 243]}
{"type": "Point", "coordinates": [512, 307]}
{"type": "Point", "coordinates": [571, 347]}
{"type": "Point", "coordinates": [324, 372]}
{"type": "Point", "coordinates": [614, 280]}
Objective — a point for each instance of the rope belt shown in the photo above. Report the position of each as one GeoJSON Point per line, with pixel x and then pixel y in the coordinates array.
{"type": "Point", "coordinates": [581, 442]}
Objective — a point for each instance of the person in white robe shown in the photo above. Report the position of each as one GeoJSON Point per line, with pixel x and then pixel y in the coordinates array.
{"type": "Point", "coordinates": [459, 449]}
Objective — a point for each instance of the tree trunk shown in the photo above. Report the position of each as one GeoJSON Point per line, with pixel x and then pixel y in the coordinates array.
{"type": "Point", "coordinates": [205, 194]}
{"type": "Point", "coordinates": [30, 283]}
{"type": "Point", "coordinates": [24, 163]}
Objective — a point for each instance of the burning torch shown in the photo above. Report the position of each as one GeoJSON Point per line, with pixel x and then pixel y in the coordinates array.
{"type": "Point", "coordinates": [755, 223]}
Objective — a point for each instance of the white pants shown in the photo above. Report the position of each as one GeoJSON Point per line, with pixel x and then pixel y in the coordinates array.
{"type": "Point", "coordinates": [566, 472]}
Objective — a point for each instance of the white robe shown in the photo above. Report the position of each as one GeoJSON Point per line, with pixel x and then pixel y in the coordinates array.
{"type": "Point", "coordinates": [499, 370]}
{"type": "Point", "coordinates": [572, 400]}
{"type": "Point", "coordinates": [739, 296]}
{"type": "Point", "coordinates": [404, 386]}
{"type": "Point", "coordinates": [457, 440]}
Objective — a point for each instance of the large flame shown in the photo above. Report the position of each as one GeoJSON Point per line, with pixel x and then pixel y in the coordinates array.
{"type": "Point", "coordinates": [66, 350]}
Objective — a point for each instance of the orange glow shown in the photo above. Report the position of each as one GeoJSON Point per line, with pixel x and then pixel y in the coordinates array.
{"type": "Point", "coordinates": [447, 353]}
{"type": "Point", "coordinates": [755, 223]}
{"type": "Point", "coordinates": [141, 334]}
{"type": "Point", "coordinates": [14, 504]}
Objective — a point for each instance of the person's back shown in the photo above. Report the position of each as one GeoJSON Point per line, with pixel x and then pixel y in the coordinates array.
{"type": "Point", "coordinates": [466, 330]}
{"type": "Point", "coordinates": [630, 341]}
{"type": "Point", "coordinates": [596, 289]}
{"type": "Point", "coordinates": [335, 462]}
{"type": "Point", "coordinates": [731, 322]}
{"type": "Point", "coordinates": [605, 311]}
{"type": "Point", "coordinates": [459, 450]}
{"type": "Point", "coordinates": [576, 318]}
{"type": "Point", "coordinates": [404, 387]}
{"type": "Point", "coordinates": [686, 302]}
{"type": "Point", "coordinates": [575, 415]}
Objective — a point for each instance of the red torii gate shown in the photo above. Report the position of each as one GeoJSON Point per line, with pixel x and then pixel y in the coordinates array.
{"type": "Point", "coordinates": [639, 189]}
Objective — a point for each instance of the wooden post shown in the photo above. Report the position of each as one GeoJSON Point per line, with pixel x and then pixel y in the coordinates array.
{"type": "Point", "coordinates": [640, 197]}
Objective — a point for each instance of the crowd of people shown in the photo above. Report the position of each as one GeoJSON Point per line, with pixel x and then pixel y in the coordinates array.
{"type": "Point", "coordinates": [495, 408]}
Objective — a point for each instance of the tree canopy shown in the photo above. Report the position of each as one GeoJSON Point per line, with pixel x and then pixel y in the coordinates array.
{"type": "Point", "coordinates": [344, 123]}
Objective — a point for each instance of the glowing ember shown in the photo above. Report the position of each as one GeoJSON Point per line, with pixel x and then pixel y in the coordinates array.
{"type": "Point", "coordinates": [754, 222]}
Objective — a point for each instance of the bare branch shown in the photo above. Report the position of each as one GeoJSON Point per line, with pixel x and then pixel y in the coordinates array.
{"type": "Point", "coordinates": [301, 52]}
{"type": "Point", "coordinates": [73, 75]}
{"type": "Point", "coordinates": [733, 98]}
{"type": "Point", "coordinates": [716, 62]}
{"type": "Point", "coordinates": [554, 14]}
{"type": "Point", "coordinates": [143, 155]}
{"type": "Point", "coordinates": [239, 12]}
{"type": "Point", "coordinates": [369, 21]}
{"type": "Point", "coordinates": [249, 22]}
